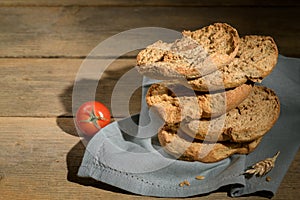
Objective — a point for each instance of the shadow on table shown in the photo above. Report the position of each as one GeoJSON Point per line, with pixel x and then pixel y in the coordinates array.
{"type": "Point", "coordinates": [75, 155]}
{"type": "Point", "coordinates": [74, 159]}
{"type": "Point", "coordinates": [66, 122]}
{"type": "Point", "coordinates": [86, 87]}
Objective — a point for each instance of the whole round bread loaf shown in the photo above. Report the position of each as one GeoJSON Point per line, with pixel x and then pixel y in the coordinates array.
{"type": "Point", "coordinates": [250, 120]}
{"type": "Point", "coordinates": [174, 102]}
{"type": "Point", "coordinates": [255, 59]}
{"type": "Point", "coordinates": [182, 147]}
{"type": "Point", "coordinates": [196, 54]}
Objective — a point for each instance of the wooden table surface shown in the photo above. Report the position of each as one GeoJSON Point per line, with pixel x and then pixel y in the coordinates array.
{"type": "Point", "coordinates": [42, 45]}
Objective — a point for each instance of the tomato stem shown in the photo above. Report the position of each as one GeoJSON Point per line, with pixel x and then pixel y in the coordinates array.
{"type": "Point", "coordinates": [93, 118]}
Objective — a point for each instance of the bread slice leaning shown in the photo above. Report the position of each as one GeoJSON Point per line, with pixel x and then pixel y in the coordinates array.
{"type": "Point", "coordinates": [256, 58]}
{"type": "Point", "coordinates": [196, 54]}
{"type": "Point", "coordinates": [174, 102]}
{"type": "Point", "coordinates": [184, 148]}
{"type": "Point", "coordinates": [250, 120]}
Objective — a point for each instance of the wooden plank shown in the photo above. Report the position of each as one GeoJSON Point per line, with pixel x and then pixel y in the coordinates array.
{"type": "Point", "coordinates": [147, 3]}
{"type": "Point", "coordinates": [75, 31]}
{"type": "Point", "coordinates": [38, 160]}
{"type": "Point", "coordinates": [43, 87]}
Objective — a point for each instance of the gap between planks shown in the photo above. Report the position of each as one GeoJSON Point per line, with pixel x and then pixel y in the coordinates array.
{"type": "Point", "coordinates": [40, 159]}
{"type": "Point", "coordinates": [68, 57]}
{"type": "Point", "coordinates": [161, 3]}
{"type": "Point", "coordinates": [44, 87]}
{"type": "Point", "coordinates": [74, 32]}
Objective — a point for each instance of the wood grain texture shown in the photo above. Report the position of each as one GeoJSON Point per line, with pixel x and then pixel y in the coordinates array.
{"type": "Point", "coordinates": [43, 87]}
{"type": "Point", "coordinates": [148, 3]}
{"type": "Point", "coordinates": [75, 31]}
{"type": "Point", "coordinates": [41, 160]}
{"type": "Point", "coordinates": [42, 47]}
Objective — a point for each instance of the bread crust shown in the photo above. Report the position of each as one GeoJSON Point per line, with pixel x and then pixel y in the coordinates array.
{"type": "Point", "coordinates": [212, 110]}
{"type": "Point", "coordinates": [250, 120]}
{"type": "Point", "coordinates": [256, 58]}
{"type": "Point", "coordinates": [183, 148]}
{"type": "Point", "coordinates": [196, 54]}
{"type": "Point", "coordinates": [174, 102]}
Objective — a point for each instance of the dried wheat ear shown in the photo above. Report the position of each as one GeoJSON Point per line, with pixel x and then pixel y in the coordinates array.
{"type": "Point", "coordinates": [261, 168]}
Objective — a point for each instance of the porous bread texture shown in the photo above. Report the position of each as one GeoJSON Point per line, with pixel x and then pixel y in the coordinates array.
{"type": "Point", "coordinates": [256, 58]}
{"type": "Point", "coordinates": [174, 102]}
{"type": "Point", "coordinates": [220, 41]}
{"type": "Point", "coordinates": [250, 120]}
{"type": "Point", "coordinates": [184, 148]}
{"type": "Point", "coordinates": [195, 54]}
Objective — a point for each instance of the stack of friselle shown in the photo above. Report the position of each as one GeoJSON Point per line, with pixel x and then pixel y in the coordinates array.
{"type": "Point", "coordinates": [208, 98]}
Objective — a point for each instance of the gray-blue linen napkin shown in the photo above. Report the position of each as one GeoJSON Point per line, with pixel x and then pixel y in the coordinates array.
{"type": "Point", "coordinates": [126, 153]}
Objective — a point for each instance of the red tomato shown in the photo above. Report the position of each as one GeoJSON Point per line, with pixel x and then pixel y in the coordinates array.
{"type": "Point", "coordinates": [91, 117]}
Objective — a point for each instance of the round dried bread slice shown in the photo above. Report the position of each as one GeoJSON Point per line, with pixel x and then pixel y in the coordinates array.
{"type": "Point", "coordinates": [250, 120]}
{"type": "Point", "coordinates": [184, 148]}
{"type": "Point", "coordinates": [256, 58]}
{"type": "Point", "coordinates": [196, 54]}
{"type": "Point", "coordinates": [174, 102]}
